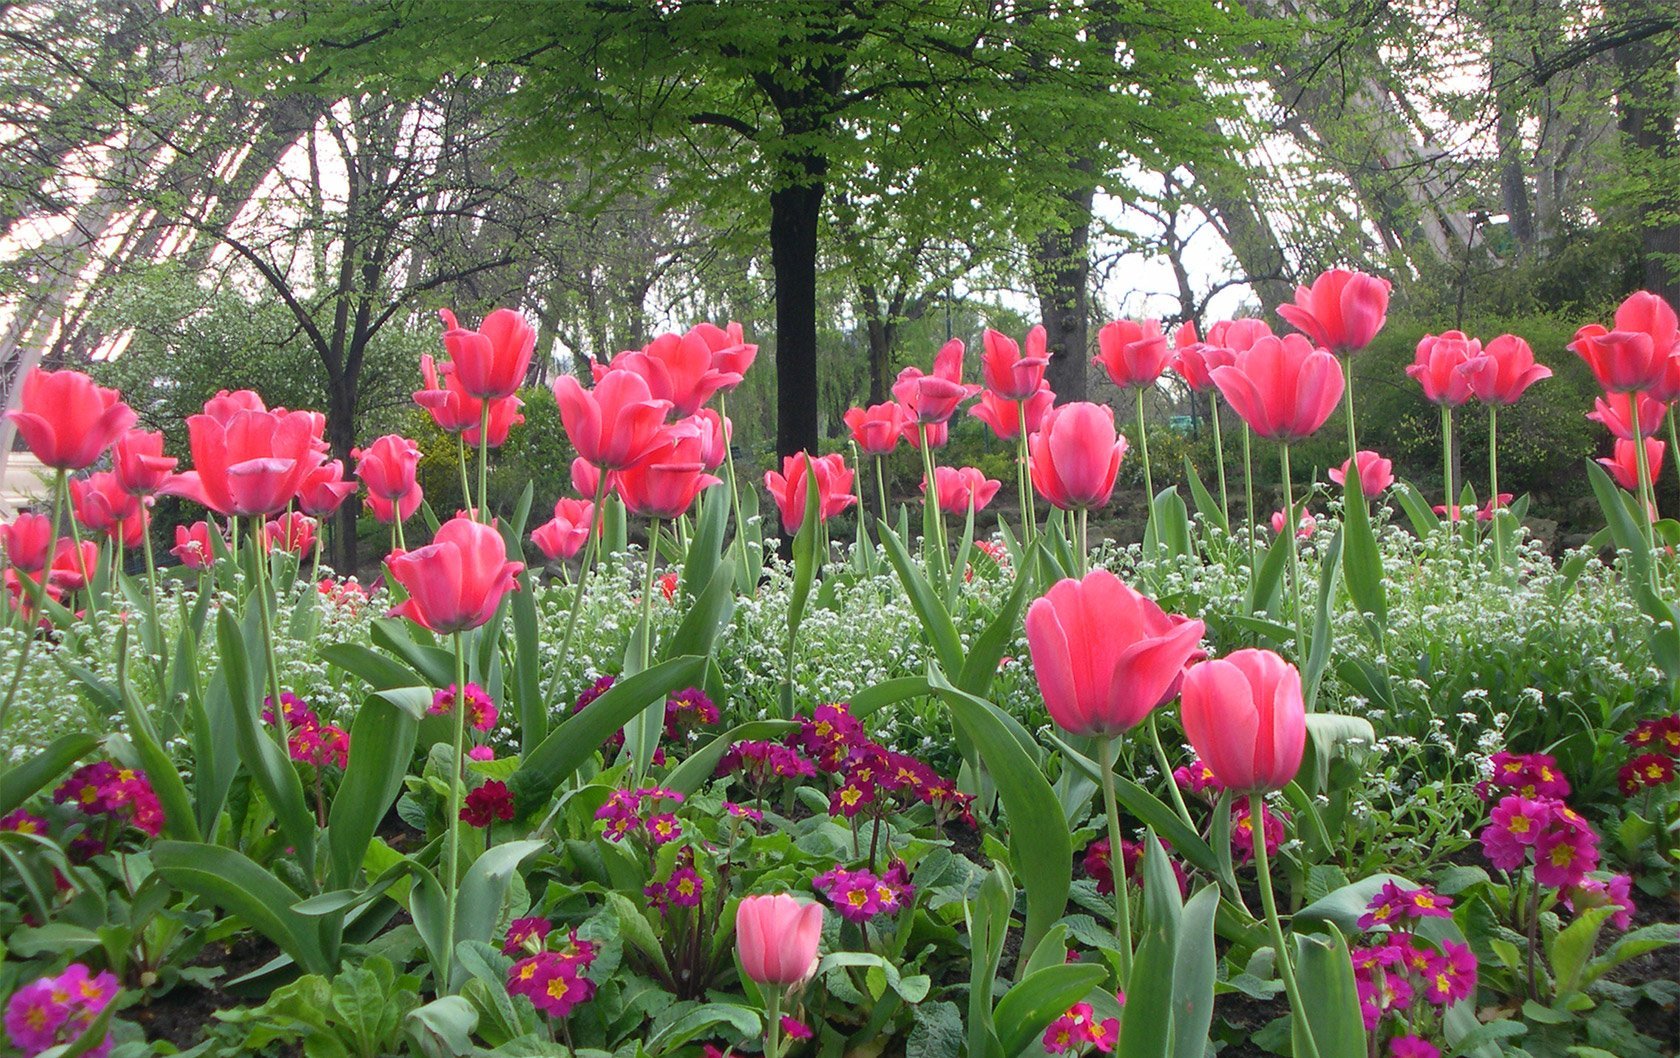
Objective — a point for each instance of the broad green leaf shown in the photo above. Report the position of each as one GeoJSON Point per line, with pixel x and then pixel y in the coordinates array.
{"type": "Point", "coordinates": [1206, 505]}
{"type": "Point", "coordinates": [27, 778]}
{"type": "Point", "coordinates": [1149, 808]}
{"type": "Point", "coordinates": [1362, 559]}
{"type": "Point", "coordinates": [936, 621]}
{"type": "Point", "coordinates": [381, 745]}
{"type": "Point", "coordinates": [1325, 970]}
{"type": "Point", "coordinates": [986, 650]}
{"type": "Point", "coordinates": [1194, 971]}
{"type": "Point", "coordinates": [700, 765]}
{"type": "Point", "coordinates": [231, 881]}
{"type": "Point", "coordinates": [1041, 997]}
{"type": "Point", "coordinates": [1146, 1022]}
{"type": "Point", "coordinates": [165, 777]}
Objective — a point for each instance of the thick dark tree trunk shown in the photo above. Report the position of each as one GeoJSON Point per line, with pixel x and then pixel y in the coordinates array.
{"type": "Point", "coordinates": [795, 212]}
{"type": "Point", "coordinates": [341, 437]}
{"type": "Point", "coordinates": [1061, 274]}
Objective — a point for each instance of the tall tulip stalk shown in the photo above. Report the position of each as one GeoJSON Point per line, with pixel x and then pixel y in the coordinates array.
{"type": "Point", "coordinates": [1342, 311]}
{"type": "Point", "coordinates": [1015, 379]}
{"type": "Point", "coordinates": [1498, 377]}
{"type": "Point", "coordinates": [929, 401]}
{"type": "Point", "coordinates": [1075, 459]}
{"type": "Point", "coordinates": [1440, 369]}
{"type": "Point", "coordinates": [489, 365]}
{"type": "Point", "coordinates": [1135, 355]}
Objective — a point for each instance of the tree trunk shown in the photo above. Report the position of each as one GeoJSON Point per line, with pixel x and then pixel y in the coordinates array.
{"type": "Point", "coordinates": [341, 437]}
{"type": "Point", "coordinates": [1061, 275]}
{"type": "Point", "coordinates": [1647, 100]}
{"type": "Point", "coordinates": [795, 212]}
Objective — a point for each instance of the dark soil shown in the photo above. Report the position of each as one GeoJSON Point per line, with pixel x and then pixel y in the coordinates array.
{"type": "Point", "coordinates": [180, 1015]}
{"type": "Point", "coordinates": [1659, 1022]}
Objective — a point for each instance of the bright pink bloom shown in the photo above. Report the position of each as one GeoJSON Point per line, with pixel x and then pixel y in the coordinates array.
{"type": "Point", "coordinates": [666, 481]}
{"type": "Point", "coordinates": [491, 362]}
{"type": "Point", "coordinates": [585, 478]}
{"type": "Point", "coordinates": [457, 581]}
{"type": "Point", "coordinates": [1375, 473]}
{"type": "Point", "coordinates": [1503, 371]}
{"type": "Point", "coordinates": [246, 460]}
{"type": "Point", "coordinates": [389, 467]}
{"type": "Point", "coordinates": [960, 488]}
{"type": "Point", "coordinates": [1004, 416]}
{"type": "Point", "coordinates": [731, 354]}
{"type": "Point", "coordinates": [1438, 367]}
{"type": "Point", "coordinates": [776, 939]}
{"type": "Point", "coordinates": [678, 368]}
{"type": "Point", "coordinates": [1614, 411]}
{"type": "Point", "coordinates": [1623, 463]}
{"type": "Point", "coordinates": [938, 433]}
{"type": "Point", "coordinates": [73, 567]}
{"type": "Point", "coordinates": [456, 411]}
{"type": "Point", "coordinates": [714, 432]}
{"type": "Point", "coordinates": [1075, 456]}
{"type": "Point", "coordinates": [1342, 311]}
{"type": "Point", "coordinates": [834, 488]}
{"type": "Point", "coordinates": [1303, 530]}
{"type": "Point", "coordinates": [1194, 360]}
{"type": "Point", "coordinates": [104, 506]}
{"type": "Point", "coordinates": [876, 428]}
{"type": "Point", "coordinates": [564, 535]}
{"type": "Point", "coordinates": [1105, 655]}
{"type": "Point", "coordinates": [1283, 388]}
{"type": "Point", "coordinates": [615, 424]}
{"type": "Point", "coordinates": [192, 546]}
{"type": "Point", "coordinates": [934, 398]}
{"type": "Point", "coordinates": [323, 490]}
{"type": "Point", "coordinates": [1244, 715]}
{"type": "Point", "coordinates": [294, 532]}
{"type": "Point", "coordinates": [67, 421]}
{"type": "Point", "coordinates": [1133, 354]}
{"type": "Point", "coordinates": [1008, 374]}
{"type": "Point", "coordinates": [1238, 336]}
{"type": "Point", "coordinates": [1636, 354]}
{"type": "Point", "coordinates": [27, 539]}
{"type": "Point", "coordinates": [139, 462]}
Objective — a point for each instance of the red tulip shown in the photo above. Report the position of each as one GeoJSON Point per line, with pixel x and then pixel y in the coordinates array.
{"type": "Point", "coordinates": [1282, 387]}
{"type": "Point", "coordinates": [226, 404]}
{"type": "Point", "coordinates": [931, 399]}
{"type": "Point", "coordinates": [678, 368]}
{"type": "Point", "coordinates": [938, 433]}
{"type": "Point", "coordinates": [959, 489]}
{"type": "Point", "coordinates": [1437, 367]}
{"type": "Point", "coordinates": [104, 506]}
{"type": "Point", "coordinates": [714, 432]}
{"type": "Point", "coordinates": [455, 411]}
{"type": "Point", "coordinates": [324, 489]}
{"type": "Point", "coordinates": [491, 362]}
{"type": "Point", "coordinates": [564, 535]}
{"type": "Point", "coordinates": [139, 462]}
{"type": "Point", "coordinates": [1009, 375]}
{"type": "Point", "coordinates": [1075, 456]}
{"type": "Point", "coordinates": [248, 462]}
{"type": "Point", "coordinates": [1623, 463]}
{"type": "Point", "coordinates": [1105, 655]}
{"type": "Point", "coordinates": [1134, 354]}
{"type": "Point", "coordinates": [1613, 411]}
{"type": "Point", "coordinates": [1244, 716]}
{"type": "Point", "coordinates": [1342, 311]}
{"type": "Point", "coordinates": [1636, 354]}
{"type": "Point", "coordinates": [26, 540]}
{"type": "Point", "coordinates": [615, 424]}
{"type": "Point", "coordinates": [192, 546]}
{"type": "Point", "coordinates": [294, 532]}
{"type": "Point", "coordinates": [1375, 473]}
{"type": "Point", "coordinates": [776, 938]}
{"type": "Point", "coordinates": [1194, 360]}
{"type": "Point", "coordinates": [1504, 370]}
{"type": "Point", "coordinates": [73, 567]}
{"type": "Point", "coordinates": [834, 488]}
{"type": "Point", "coordinates": [1238, 336]}
{"type": "Point", "coordinates": [876, 428]}
{"type": "Point", "coordinates": [664, 484]}
{"type": "Point", "coordinates": [388, 467]}
{"type": "Point", "coordinates": [67, 421]}
{"type": "Point", "coordinates": [457, 581]}
{"type": "Point", "coordinates": [1004, 416]}
{"type": "Point", "coordinates": [586, 479]}
{"type": "Point", "coordinates": [731, 355]}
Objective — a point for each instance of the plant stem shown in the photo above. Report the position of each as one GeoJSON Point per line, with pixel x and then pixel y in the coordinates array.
{"type": "Point", "coordinates": [1454, 515]}
{"type": "Point", "coordinates": [1290, 525]}
{"type": "Point", "coordinates": [1148, 475]}
{"type": "Point", "coordinates": [1166, 770]}
{"type": "Point", "coordinates": [1645, 494]}
{"type": "Point", "coordinates": [1268, 900]}
{"type": "Point", "coordinates": [734, 488]}
{"type": "Point", "coordinates": [1533, 939]}
{"type": "Point", "coordinates": [772, 1021]}
{"type": "Point", "coordinates": [930, 499]}
{"type": "Point", "coordinates": [1219, 458]}
{"type": "Point", "coordinates": [259, 563]}
{"type": "Point", "coordinates": [81, 559]}
{"type": "Point", "coordinates": [1084, 541]}
{"type": "Point", "coordinates": [1493, 483]}
{"type": "Point", "coordinates": [461, 461]}
{"type": "Point", "coordinates": [1347, 403]}
{"type": "Point", "coordinates": [1248, 489]}
{"type": "Point", "coordinates": [484, 461]}
{"type": "Point", "coordinates": [37, 591]}
{"type": "Point", "coordinates": [881, 486]}
{"type": "Point", "coordinates": [452, 818]}
{"type": "Point", "coordinates": [591, 546]}
{"type": "Point", "coordinates": [1117, 857]}
{"type": "Point", "coordinates": [1029, 506]}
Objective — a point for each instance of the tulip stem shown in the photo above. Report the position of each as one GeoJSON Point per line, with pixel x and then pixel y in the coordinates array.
{"type": "Point", "coordinates": [1148, 478]}
{"type": "Point", "coordinates": [1084, 541]}
{"type": "Point", "coordinates": [1646, 497]}
{"type": "Point", "coordinates": [881, 487]}
{"type": "Point", "coordinates": [36, 588]}
{"type": "Point", "coordinates": [1493, 483]}
{"type": "Point", "coordinates": [1291, 525]}
{"type": "Point", "coordinates": [461, 461]}
{"type": "Point", "coordinates": [734, 488]}
{"type": "Point", "coordinates": [930, 500]}
{"type": "Point", "coordinates": [81, 559]}
{"type": "Point", "coordinates": [152, 592]}
{"type": "Point", "coordinates": [587, 563]}
{"type": "Point", "coordinates": [484, 462]}
{"type": "Point", "coordinates": [1248, 489]}
{"type": "Point", "coordinates": [1167, 772]}
{"type": "Point", "coordinates": [1219, 458]}
{"type": "Point", "coordinates": [1117, 857]}
{"type": "Point", "coordinates": [1268, 900]}
{"type": "Point", "coordinates": [1454, 515]}
{"type": "Point", "coordinates": [259, 563]}
{"type": "Point", "coordinates": [1029, 507]}
{"type": "Point", "coordinates": [772, 1021]}
{"type": "Point", "coordinates": [1347, 399]}
{"type": "Point", "coordinates": [452, 818]}
{"type": "Point", "coordinates": [1673, 442]}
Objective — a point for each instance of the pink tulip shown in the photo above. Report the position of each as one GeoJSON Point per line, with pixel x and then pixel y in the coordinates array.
{"type": "Point", "coordinates": [1244, 716]}
{"type": "Point", "coordinates": [1303, 530]}
{"type": "Point", "coordinates": [714, 432]}
{"type": "Point", "coordinates": [455, 411]}
{"type": "Point", "coordinates": [323, 490]}
{"type": "Point", "coordinates": [26, 539]}
{"type": "Point", "coordinates": [1238, 336]}
{"type": "Point", "coordinates": [1194, 360]}
{"type": "Point", "coordinates": [1483, 514]}
{"type": "Point", "coordinates": [930, 399]}
{"type": "Point", "coordinates": [1075, 456]}
{"type": "Point", "coordinates": [1004, 416]}
{"type": "Point", "coordinates": [678, 368]}
{"type": "Point", "coordinates": [1613, 411]}
{"type": "Point", "coordinates": [457, 581]}
{"type": "Point", "coordinates": [389, 468]}
{"type": "Point", "coordinates": [1009, 375]}
{"type": "Point", "coordinates": [665, 482]}
{"type": "Point", "coordinates": [1342, 311]}
{"type": "Point", "coordinates": [1105, 655]}
{"type": "Point", "coordinates": [104, 506]}
{"type": "Point", "coordinates": [788, 488]}
{"type": "Point", "coordinates": [491, 362]}
{"type": "Point", "coordinates": [614, 424]}
{"type": "Point", "coordinates": [1503, 371]}
{"type": "Point", "coordinates": [586, 480]}
{"type": "Point", "coordinates": [876, 428]}
{"type": "Point", "coordinates": [67, 421]}
{"type": "Point", "coordinates": [1375, 473]}
{"type": "Point", "coordinates": [139, 462]}
{"type": "Point", "coordinates": [1438, 367]}
{"type": "Point", "coordinates": [960, 488]}
{"type": "Point", "coordinates": [73, 567]}
{"type": "Point", "coordinates": [731, 354]}
{"type": "Point", "coordinates": [192, 545]}
{"type": "Point", "coordinates": [225, 404]}
{"type": "Point", "coordinates": [776, 938]}
{"type": "Point", "coordinates": [246, 460]}
{"type": "Point", "coordinates": [938, 433]}
{"type": "Point", "coordinates": [1623, 463]}
{"type": "Point", "coordinates": [1134, 354]}
{"type": "Point", "coordinates": [1635, 355]}
{"type": "Point", "coordinates": [564, 535]}
{"type": "Point", "coordinates": [293, 532]}
{"type": "Point", "coordinates": [1282, 387]}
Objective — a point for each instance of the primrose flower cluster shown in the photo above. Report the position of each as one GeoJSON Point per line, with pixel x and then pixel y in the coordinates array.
{"type": "Point", "coordinates": [52, 1012]}
{"type": "Point", "coordinates": [1406, 982]}
{"type": "Point", "coordinates": [554, 978]}
{"type": "Point", "coordinates": [308, 739]}
{"type": "Point", "coordinates": [1531, 824]}
{"type": "Point", "coordinates": [114, 795]}
{"type": "Point", "coordinates": [1655, 746]}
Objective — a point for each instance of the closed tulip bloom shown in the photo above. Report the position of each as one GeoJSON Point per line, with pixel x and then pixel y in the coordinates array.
{"type": "Point", "coordinates": [959, 488]}
{"type": "Point", "coordinates": [1437, 367]}
{"type": "Point", "coordinates": [1008, 374]}
{"type": "Point", "coordinates": [564, 535]}
{"type": "Point", "coordinates": [1004, 416]}
{"type": "Point", "coordinates": [876, 429]}
{"type": "Point", "coordinates": [1104, 654]}
{"type": "Point", "coordinates": [294, 532]}
{"type": "Point", "coordinates": [933, 399]}
{"type": "Point", "coordinates": [192, 545]}
{"type": "Point", "coordinates": [323, 490]}
{"type": "Point", "coordinates": [444, 398]}
{"type": "Point", "coordinates": [664, 484]}
{"type": "Point", "coordinates": [1635, 354]}
{"type": "Point", "coordinates": [1075, 456]}
{"type": "Point", "coordinates": [1304, 529]}
{"type": "Point", "coordinates": [776, 938]}
{"type": "Point", "coordinates": [732, 355]}
{"type": "Point", "coordinates": [491, 362]}
{"type": "Point", "coordinates": [27, 539]}
{"type": "Point", "coordinates": [1238, 336]}
{"type": "Point", "coordinates": [1623, 462]}
{"type": "Point", "coordinates": [249, 463]}
{"type": "Point", "coordinates": [102, 504]}
{"type": "Point", "coordinates": [1613, 411]}
{"type": "Point", "coordinates": [788, 488]}
{"type": "Point", "coordinates": [1133, 354]}
{"type": "Point", "coordinates": [1284, 388]}
{"type": "Point", "coordinates": [614, 424]}
{"type": "Point", "coordinates": [389, 468]}
{"type": "Point", "coordinates": [938, 433]}
{"type": "Point", "coordinates": [67, 421]}
{"type": "Point", "coordinates": [586, 479]}
{"type": "Point", "coordinates": [678, 368]}
{"type": "Point", "coordinates": [1194, 360]}
{"type": "Point", "coordinates": [1244, 716]}
{"type": "Point", "coordinates": [1503, 371]}
{"type": "Point", "coordinates": [1375, 473]}
{"type": "Point", "coordinates": [1342, 310]}
{"type": "Point", "coordinates": [139, 462]}
{"type": "Point", "coordinates": [457, 581]}
{"type": "Point", "coordinates": [714, 432]}
{"type": "Point", "coordinates": [72, 567]}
